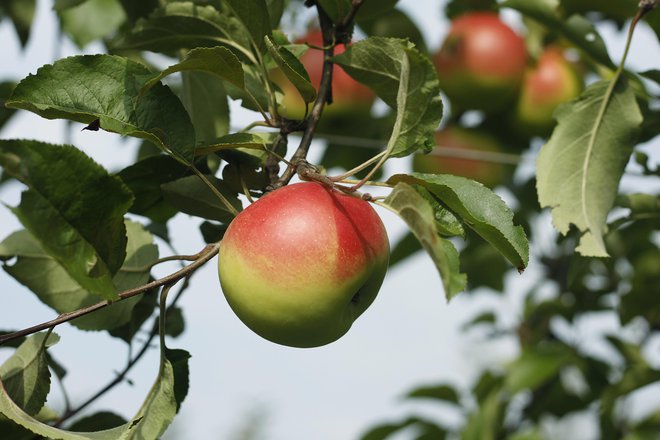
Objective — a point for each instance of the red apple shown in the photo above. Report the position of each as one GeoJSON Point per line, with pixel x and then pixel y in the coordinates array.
{"type": "Point", "coordinates": [348, 95]}
{"type": "Point", "coordinates": [299, 265]}
{"type": "Point", "coordinates": [552, 81]}
{"type": "Point", "coordinates": [469, 141]}
{"type": "Point", "coordinates": [481, 62]}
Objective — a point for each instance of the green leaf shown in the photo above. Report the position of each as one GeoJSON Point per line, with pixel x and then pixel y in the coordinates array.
{"type": "Point", "coordinates": [535, 366]}
{"type": "Point", "coordinates": [391, 23]}
{"type": "Point", "coordinates": [61, 5]}
{"type": "Point", "coordinates": [73, 207]}
{"type": "Point", "coordinates": [96, 421]}
{"type": "Point", "coordinates": [653, 75]}
{"type": "Point", "coordinates": [25, 374]}
{"type": "Point", "coordinates": [205, 100]}
{"type": "Point", "coordinates": [21, 13]}
{"type": "Point", "coordinates": [239, 141]}
{"type": "Point", "coordinates": [6, 87]}
{"type": "Point", "coordinates": [336, 9]}
{"type": "Point", "coordinates": [438, 392]}
{"type": "Point", "coordinates": [408, 245]}
{"type": "Point", "coordinates": [192, 196]}
{"type": "Point", "coordinates": [150, 422]}
{"type": "Point", "coordinates": [485, 423]}
{"type": "Point", "coordinates": [107, 88]}
{"type": "Point", "coordinates": [43, 275]}
{"type": "Point", "coordinates": [576, 29]}
{"type": "Point", "coordinates": [479, 208]}
{"type": "Point", "coordinates": [428, 430]}
{"type": "Point", "coordinates": [371, 10]}
{"type": "Point", "coordinates": [579, 169]}
{"type": "Point", "coordinates": [406, 80]}
{"type": "Point", "coordinates": [254, 16]}
{"type": "Point", "coordinates": [293, 69]}
{"type": "Point", "coordinates": [418, 214]}
{"type": "Point", "coordinates": [144, 179]}
{"type": "Point", "coordinates": [91, 20]}
{"type": "Point", "coordinates": [218, 61]}
{"type": "Point", "coordinates": [185, 25]}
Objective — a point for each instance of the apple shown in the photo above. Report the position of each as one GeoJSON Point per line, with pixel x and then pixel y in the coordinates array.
{"type": "Point", "coordinates": [552, 81]}
{"type": "Point", "coordinates": [470, 140]}
{"type": "Point", "coordinates": [348, 95]}
{"type": "Point", "coordinates": [300, 264]}
{"type": "Point", "coordinates": [481, 62]}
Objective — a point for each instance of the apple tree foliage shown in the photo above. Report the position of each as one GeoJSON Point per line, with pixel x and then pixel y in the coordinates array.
{"type": "Point", "coordinates": [87, 247]}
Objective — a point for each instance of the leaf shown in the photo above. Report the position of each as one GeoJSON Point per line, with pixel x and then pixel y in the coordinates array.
{"type": "Point", "coordinates": [293, 69]}
{"type": "Point", "coordinates": [185, 25]}
{"type": "Point", "coordinates": [99, 420]}
{"type": "Point", "coordinates": [73, 207]}
{"type": "Point", "coordinates": [479, 208]}
{"type": "Point", "coordinates": [406, 80]}
{"type": "Point", "coordinates": [144, 179]}
{"type": "Point", "coordinates": [391, 23]}
{"type": "Point", "coordinates": [438, 392]}
{"type": "Point", "coordinates": [151, 420]}
{"type": "Point", "coordinates": [25, 374]}
{"type": "Point", "coordinates": [205, 100]}
{"type": "Point", "coordinates": [418, 214]}
{"type": "Point", "coordinates": [254, 16]}
{"type": "Point", "coordinates": [535, 366]}
{"type": "Point", "coordinates": [218, 61]}
{"type": "Point", "coordinates": [239, 141]}
{"type": "Point", "coordinates": [6, 87]}
{"type": "Point", "coordinates": [43, 275]}
{"type": "Point", "coordinates": [336, 9]}
{"type": "Point", "coordinates": [191, 196]}
{"type": "Point", "coordinates": [653, 75]}
{"type": "Point", "coordinates": [486, 421]}
{"type": "Point", "coordinates": [579, 169]}
{"type": "Point", "coordinates": [430, 429]}
{"type": "Point", "coordinates": [21, 13]}
{"type": "Point", "coordinates": [577, 29]}
{"type": "Point", "coordinates": [107, 88]}
{"type": "Point", "coordinates": [91, 20]}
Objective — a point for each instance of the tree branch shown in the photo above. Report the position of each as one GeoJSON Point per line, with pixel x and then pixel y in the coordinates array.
{"type": "Point", "coordinates": [324, 95]}
{"type": "Point", "coordinates": [205, 255]}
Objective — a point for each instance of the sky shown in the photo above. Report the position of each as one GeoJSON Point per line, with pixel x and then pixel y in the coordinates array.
{"type": "Point", "coordinates": [409, 337]}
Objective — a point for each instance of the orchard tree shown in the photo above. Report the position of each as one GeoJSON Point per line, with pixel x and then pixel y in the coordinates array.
{"type": "Point", "coordinates": [300, 261]}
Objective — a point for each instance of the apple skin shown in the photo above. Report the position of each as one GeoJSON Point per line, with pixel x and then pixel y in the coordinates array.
{"type": "Point", "coordinates": [300, 264]}
{"type": "Point", "coordinates": [481, 62]}
{"type": "Point", "coordinates": [348, 95]}
{"type": "Point", "coordinates": [489, 173]}
{"type": "Point", "coordinates": [554, 80]}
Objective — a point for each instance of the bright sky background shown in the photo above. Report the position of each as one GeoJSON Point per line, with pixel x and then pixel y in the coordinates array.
{"type": "Point", "coordinates": [410, 336]}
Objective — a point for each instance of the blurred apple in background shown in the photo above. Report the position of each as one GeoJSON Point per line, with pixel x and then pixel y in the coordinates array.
{"type": "Point", "coordinates": [462, 142]}
{"type": "Point", "coordinates": [348, 95]}
{"type": "Point", "coordinates": [481, 62]}
{"type": "Point", "coordinates": [552, 81]}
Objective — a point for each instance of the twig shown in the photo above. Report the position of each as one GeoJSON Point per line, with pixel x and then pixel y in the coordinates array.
{"type": "Point", "coordinates": [324, 95]}
{"type": "Point", "coordinates": [127, 368]}
{"type": "Point", "coordinates": [205, 255]}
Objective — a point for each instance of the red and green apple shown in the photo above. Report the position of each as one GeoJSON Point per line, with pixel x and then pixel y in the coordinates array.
{"type": "Point", "coordinates": [552, 81]}
{"type": "Point", "coordinates": [481, 62]}
{"type": "Point", "coordinates": [459, 151]}
{"type": "Point", "coordinates": [348, 95]}
{"type": "Point", "coordinates": [302, 263]}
